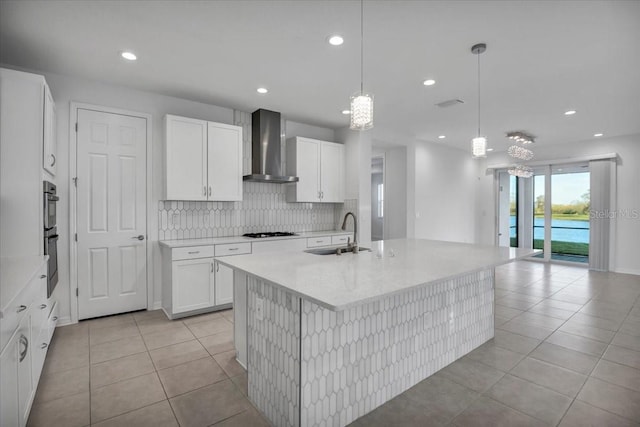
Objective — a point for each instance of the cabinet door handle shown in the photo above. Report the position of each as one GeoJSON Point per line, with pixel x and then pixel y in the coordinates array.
{"type": "Point", "coordinates": [24, 342]}
{"type": "Point", "coordinates": [217, 266]}
{"type": "Point", "coordinates": [21, 308]}
{"type": "Point", "coordinates": [43, 306]}
{"type": "Point", "coordinates": [322, 194]}
{"type": "Point", "coordinates": [55, 318]}
{"type": "Point", "coordinates": [209, 191]}
{"type": "Point", "coordinates": [44, 345]}
{"type": "Point", "coordinates": [44, 276]}
{"type": "Point", "coordinates": [212, 267]}
{"type": "Point", "coordinates": [205, 191]}
{"type": "Point", "coordinates": [53, 160]}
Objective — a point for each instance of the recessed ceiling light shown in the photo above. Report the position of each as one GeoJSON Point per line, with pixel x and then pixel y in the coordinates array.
{"type": "Point", "coordinates": [129, 55]}
{"type": "Point", "coordinates": [263, 90]}
{"type": "Point", "coordinates": [346, 112]}
{"type": "Point", "coordinates": [569, 112]}
{"type": "Point", "coordinates": [429, 82]}
{"type": "Point", "coordinates": [598, 134]}
{"type": "Point", "coordinates": [336, 40]}
{"type": "Point", "coordinates": [489, 149]}
{"type": "Point", "coordinates": [442, 137]}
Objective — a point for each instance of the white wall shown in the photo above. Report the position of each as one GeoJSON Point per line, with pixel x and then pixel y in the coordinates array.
{"type": "Point", "coordinates": [395, 193]}
{"type": "Point", "coordinates": [627, 230]}
{"type": "Point", "coordinates": [66, 89]}
{"type": "Point", "coordinates": [445, 185]}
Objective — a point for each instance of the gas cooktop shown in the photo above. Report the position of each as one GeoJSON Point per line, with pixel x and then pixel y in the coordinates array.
{"type": "Point", "coordinates": [269, 234]}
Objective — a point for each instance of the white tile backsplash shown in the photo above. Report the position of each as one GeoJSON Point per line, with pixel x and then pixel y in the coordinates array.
{"type": "Point", "coordinates": [263, 208]}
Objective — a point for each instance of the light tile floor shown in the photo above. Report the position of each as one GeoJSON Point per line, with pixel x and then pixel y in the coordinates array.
{"type": "Point", "coordinates": [141, 369]}
{"type": "Point", "coordinates": [566, 352]}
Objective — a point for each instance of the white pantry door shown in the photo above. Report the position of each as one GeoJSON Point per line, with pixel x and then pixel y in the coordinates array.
{"type": "Point", "coordinates": [111, 213]}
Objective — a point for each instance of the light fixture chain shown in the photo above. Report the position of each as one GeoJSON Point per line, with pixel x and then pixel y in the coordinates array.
{"type": "Point", "coordinates": [361, 46]}
{"type": "Point", "coordinates": [478, 94]}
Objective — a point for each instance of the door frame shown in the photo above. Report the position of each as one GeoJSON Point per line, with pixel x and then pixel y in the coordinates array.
{"type": "Point", "coordinates": [73, 198]}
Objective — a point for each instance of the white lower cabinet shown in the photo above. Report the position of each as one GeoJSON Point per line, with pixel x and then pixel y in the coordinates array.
{"type": "Point", "coordinates": [224, 284]}
{"type": "Point", "coordinates": [9, 412]}
{"type": "Point", "coordinates": [22, 358]}
{"type": "Point", "coordinates": [193, 285]}
{"type": "Point", "coordinates": [17, 388]}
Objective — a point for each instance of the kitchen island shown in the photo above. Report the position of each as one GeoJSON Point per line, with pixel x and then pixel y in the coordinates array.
{"type": "Point", "coordinates": [330, 338]}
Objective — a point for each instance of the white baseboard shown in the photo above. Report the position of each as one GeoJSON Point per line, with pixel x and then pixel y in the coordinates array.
{"type": "Point", "coordinates": [156, 305]}
{"type": "Point", "coordinates": [64, 321]}
{"type": "Point", "coordinates": [628, 271]}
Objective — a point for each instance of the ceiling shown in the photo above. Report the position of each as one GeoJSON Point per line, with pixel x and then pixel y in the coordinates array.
{"type": "Point", "coordinates": [543, 57]}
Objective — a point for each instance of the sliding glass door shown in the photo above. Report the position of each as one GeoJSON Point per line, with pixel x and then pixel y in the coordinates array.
{"type": "Point", "coordinates": [549, 211]}
{"type": "Point", "coordinates": [570, 202]}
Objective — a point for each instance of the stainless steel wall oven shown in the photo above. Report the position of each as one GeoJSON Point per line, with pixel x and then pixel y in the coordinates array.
{"type": "Point", "coordinates": [50, 235]}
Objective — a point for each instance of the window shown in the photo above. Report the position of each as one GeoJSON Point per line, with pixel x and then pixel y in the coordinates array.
{"type": "Point", "coordinates": [380, 200]}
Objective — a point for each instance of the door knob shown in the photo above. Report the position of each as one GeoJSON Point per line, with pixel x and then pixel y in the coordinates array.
{"type": "Point", "coordinates": [140, 237]}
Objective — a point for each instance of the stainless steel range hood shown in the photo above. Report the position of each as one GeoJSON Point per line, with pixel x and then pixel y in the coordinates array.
{"type": "Point", "coordinates": [266, 158]}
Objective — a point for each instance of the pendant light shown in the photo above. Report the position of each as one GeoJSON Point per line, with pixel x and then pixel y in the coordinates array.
{"type": "Point", "coordinates": [479, 143]}
{"type": "Point", "coordinates": [361, 102]}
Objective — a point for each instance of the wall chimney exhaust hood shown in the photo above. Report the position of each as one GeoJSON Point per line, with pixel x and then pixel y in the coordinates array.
{"type": "Point", "coordinates": [266, 157]}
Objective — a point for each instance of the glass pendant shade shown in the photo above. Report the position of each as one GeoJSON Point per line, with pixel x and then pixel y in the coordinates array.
{"type": "Point", "coordinates": [361, 111]}
{"type": "Point", "coordinates": [479, 146]}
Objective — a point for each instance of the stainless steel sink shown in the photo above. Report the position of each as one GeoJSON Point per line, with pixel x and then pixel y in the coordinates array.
{"type": "Point", "coordinates": [333, 251]}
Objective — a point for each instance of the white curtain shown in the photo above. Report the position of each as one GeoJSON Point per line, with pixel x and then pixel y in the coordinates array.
{"type": "Point", "coordinates": [603, 187]}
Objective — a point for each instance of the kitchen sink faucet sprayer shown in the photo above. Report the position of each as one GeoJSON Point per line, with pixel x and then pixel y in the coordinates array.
{"type": "Point", "coordinates": [352, 246]}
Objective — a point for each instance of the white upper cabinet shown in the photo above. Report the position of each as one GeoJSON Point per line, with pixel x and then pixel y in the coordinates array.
{"type": "Point", "coordinates": [319, 165]}
{"type": "Point", "coordinates": [203, 159]}
{"type": "Point", "coordinates": [225, 162]}
{"type": "Point", "coordinates": [50, 145]}
{"type": "Point", "coordinates": [186, 150]}
{"type": "Point", "coordinates": [332, 172]}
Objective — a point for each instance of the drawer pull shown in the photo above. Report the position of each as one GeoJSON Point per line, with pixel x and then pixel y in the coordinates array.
{"type": "Point", "coordinates": [194, 252]}
{"type": "Point", "coordinates": [44, 345]}
{"type": "Point", "coordinates": [22, 308]}
{"type": "Point", "coordinates": [43, 306]}
{"type": "Point", "coordinates": [44, 276]}
{"type": "Point", "coordinates": [319, 241]}
{"type": "Point", "coordinates": [233, 249]}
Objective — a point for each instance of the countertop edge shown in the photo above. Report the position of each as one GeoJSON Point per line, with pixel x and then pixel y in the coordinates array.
{"type": "Point", "coordinates": [211, 241]}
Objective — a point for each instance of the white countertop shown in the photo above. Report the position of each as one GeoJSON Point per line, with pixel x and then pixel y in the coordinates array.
{"type": "Point", "coordinates": [240, 239]}
{"type": "Point", "coordinates": [340, 282]}
{"type": "Point", "coordinates": [16, 273]}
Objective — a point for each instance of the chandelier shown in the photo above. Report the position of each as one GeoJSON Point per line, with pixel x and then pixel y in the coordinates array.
{"type": "Point", "coordinates": [519, 152]}
{"type": "Point", "coordinates": [521, 171]}
{"type": "Point", "coordinates": [361, 102]}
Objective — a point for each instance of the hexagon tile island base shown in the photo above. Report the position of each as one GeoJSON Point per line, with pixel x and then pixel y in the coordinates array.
{"type": "Point", "coordinates": [311, 366]}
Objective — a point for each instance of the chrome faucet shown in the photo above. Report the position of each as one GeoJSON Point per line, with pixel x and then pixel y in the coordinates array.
{"type": "Point", "coordinates": [352, 246]}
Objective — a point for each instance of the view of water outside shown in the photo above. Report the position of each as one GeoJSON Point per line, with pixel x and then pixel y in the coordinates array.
{"type": "Point", "coordinates": [569, 213]}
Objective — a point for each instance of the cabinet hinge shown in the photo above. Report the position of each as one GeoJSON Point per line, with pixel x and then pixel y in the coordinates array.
{"type": "Point", "coordinates": [76, 237]}
{"type": "Point", "coordinates": [76, 291]}
{"type": "Point", "coordinates": [76, 126]}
